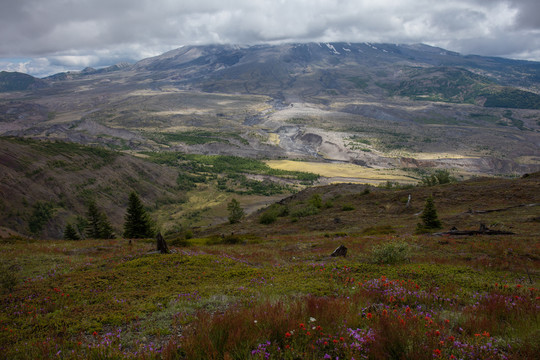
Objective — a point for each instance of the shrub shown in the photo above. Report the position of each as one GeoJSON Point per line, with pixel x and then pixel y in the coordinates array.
{"type": "Point", "coordinates": [268, 218]}
{"type": "Point", "coordinates": [316, 201]}
{"type": "Point", "coordinates": [347, 207]}
{"type": "Point", "coordinates": [379, 230]}
{"type": "Point", "coordinates": [437, 178]}
{"type": "Point", "coordinates": [236, 213]}
{"type": "Point", "coordinates": [8, 278]}
{"type": "Point", "coordinates": [306, 211]}
{"type": "Point", "coordinates": [390, 253]}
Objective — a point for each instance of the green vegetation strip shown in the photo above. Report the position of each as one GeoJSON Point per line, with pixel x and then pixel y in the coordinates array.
{"type": "Point", "coordinates": [223, 164]}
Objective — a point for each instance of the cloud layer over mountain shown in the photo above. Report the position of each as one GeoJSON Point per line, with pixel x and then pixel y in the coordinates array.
{"type": "Point", "coordinates": [45, 36]}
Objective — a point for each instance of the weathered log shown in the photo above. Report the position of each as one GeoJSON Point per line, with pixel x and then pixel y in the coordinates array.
{"type": "Point", "coordinates": [161, 244]}
{"type": "Point", "coordinates": [483, 230]}
{"type": "Point", "coordinates": [340, 251]}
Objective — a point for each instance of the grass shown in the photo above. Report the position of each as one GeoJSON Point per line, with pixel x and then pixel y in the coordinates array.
{"type": "Point", "coordinates": [343, 170]}
{"type": "Point", "coordinates": [82, 299]}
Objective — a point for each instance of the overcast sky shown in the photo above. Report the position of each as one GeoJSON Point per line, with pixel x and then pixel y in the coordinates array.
{"type": "Point", "coordinates": [42, 37]}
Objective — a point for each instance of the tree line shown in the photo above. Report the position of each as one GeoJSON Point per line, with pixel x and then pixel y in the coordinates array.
{"type": "Point", "coordinates": [96, 225]}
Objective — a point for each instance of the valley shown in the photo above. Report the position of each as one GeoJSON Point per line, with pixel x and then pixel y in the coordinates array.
{"type": "Point", "coordinates": [385, 149]}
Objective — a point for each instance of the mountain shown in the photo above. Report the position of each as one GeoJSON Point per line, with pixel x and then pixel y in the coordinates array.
{"type": "Point", "coordinates": [304, 69]}
{"type": "Point", "coordinates": [16, 81]}
{"type": "Point", "coordinates": [376, 106]}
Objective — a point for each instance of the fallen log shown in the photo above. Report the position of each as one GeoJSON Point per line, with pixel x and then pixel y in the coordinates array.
{"type": "Point", "coordinates": [483, 230]}
{"type": "Point", "coordinates": [471, 211]}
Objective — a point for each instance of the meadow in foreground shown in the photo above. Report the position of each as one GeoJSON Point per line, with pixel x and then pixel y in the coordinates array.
{"type": "Point", "coordinates": [271, 298]}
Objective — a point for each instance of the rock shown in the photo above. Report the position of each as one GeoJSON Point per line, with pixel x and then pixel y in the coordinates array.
{"type": "Point", "coordinates": [340, 251]}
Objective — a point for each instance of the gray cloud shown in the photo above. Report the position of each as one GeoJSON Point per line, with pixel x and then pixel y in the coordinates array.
{"type": "Point", "coordinates": [70, 34]}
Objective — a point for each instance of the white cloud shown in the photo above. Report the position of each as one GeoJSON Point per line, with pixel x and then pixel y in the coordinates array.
{"type": "Point", "coordinates": [99, 32]}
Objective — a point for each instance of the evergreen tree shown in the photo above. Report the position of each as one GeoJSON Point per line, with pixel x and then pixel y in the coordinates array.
{"type": "Point", "coordinates": [94, 221]}
{"type": "Point", "coordinates": [41, 214]}
{"type": "Point", "coordinates": [137, 222]}
{"type": "Point", "coordinates": [70, 233]}
{"type": "Point", "coordinates": [236, 213]}
{"type": "Point", "coordinates": [106, 230]}
{"type": "Point", "coordinates": [98, 226]}
{"type": "Point", "coordinates": [430, 220]}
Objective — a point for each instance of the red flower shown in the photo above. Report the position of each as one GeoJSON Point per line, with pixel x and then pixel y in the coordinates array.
{"type": "Point", "coordinates": [302, 325]}
{"type": "Point", "coordinates": [369, 316]}
{"type": "Point", "coordinates": [451, 338]}
{"type": "Point", "coordinates": [341, 339]}
{"type": "Point", "coordinates": [437, 333]}
{"type": "Point", "coordinates": [384, 312]}
{"type": "Point", "coordinates": [94, 333]}
{"type": "Point", "coordinates": [437, 352]}
{"type": "Point", "coordinates": [325, 343]}
{"type": "Point", "coordinates": [287, 334]}
{"type": "Point", "coordinates": [485, 333]}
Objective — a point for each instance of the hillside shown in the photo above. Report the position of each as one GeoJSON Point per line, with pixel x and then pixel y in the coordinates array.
{"type": "Point", "coordinates": [179, 190]}
{"type": "Point", "coordinates": [277, 286]}
{"type": "Point", "coordinates": [355, 209]}
{"type": "Point", "coordinates": [67, 176]}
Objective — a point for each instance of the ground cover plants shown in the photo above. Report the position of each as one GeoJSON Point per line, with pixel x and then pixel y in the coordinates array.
{"type": "Point", "coordinates": [279, 297]}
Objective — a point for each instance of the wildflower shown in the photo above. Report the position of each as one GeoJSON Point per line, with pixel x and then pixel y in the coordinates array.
{"type": "Point", "coordinates": [437, 352]}
{"type": "Point", "coordinates": [342, 339]}
{"type": "Point", "coordinates": [452, 357]}
{"type": "Point", "coordinates": [325, 343]}
{"type": "Point", "coordinates": [312, 319]}
{"type": "Point", "coordinates": [408, 310]}
{"type": "Point", "coordinates": [326, 356]}
{"type": "Point", "coordinates": [384, 312]}
{"type": "Point", "coordinates": [485, 333]}
{"type": "Point", "coordinates": [302, 326]}
{"type": "Point", "coordinates": [451, 338]}
{"type": "Point", "coordinates": [437, 333]}
{"type": "Point", "coordinates": [94, 333]}
{"type": "Point", "coordinates": [287, 334]}
{"type": "Point", "coordinates": [368, 315]}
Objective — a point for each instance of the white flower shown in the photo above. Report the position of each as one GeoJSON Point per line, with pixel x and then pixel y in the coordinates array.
{"type": "Point", "coordinates": [312, 319]}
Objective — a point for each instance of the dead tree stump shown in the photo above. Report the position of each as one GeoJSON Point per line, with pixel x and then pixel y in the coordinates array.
{"type": "Point", "coordinates": [161, 244]}
{"type": "Point", "coordinates": [340, 251]}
